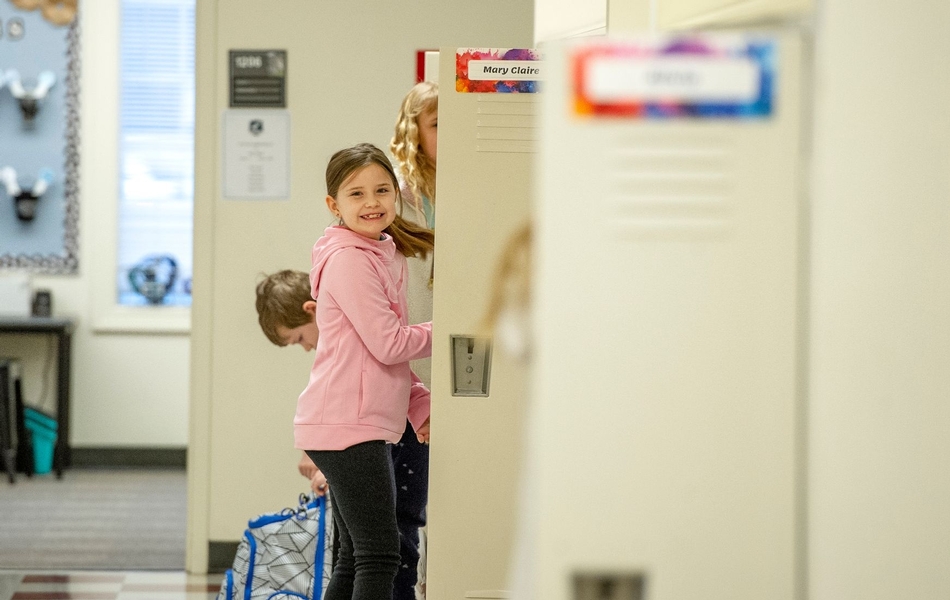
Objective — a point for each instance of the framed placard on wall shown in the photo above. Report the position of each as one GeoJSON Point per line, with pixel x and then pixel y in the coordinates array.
{"type": "Point", "coordinates": [39, 139]}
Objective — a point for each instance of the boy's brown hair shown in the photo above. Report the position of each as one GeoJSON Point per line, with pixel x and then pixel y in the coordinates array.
{"type": "Point", "coordinates": [280, 300]}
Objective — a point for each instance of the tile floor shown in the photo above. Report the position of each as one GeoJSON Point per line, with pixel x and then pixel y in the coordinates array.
{"type": "Point", "coordinates": [107, 585]}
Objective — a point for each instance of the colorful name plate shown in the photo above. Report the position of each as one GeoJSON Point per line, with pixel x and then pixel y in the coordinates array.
{"type": "Point", "coordinates": [694, 77]}
{"type": "Point", "coordinates": [498, 70]}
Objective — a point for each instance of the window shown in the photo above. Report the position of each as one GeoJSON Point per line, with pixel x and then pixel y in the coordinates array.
{"type": "Point", "coordinates": [156, 152]}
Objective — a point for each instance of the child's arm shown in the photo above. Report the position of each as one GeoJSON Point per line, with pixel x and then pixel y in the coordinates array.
{"type": "Point", "coordinates": [351, 281]}
{"type": "Point", "coordinates": [306, 466]}
{"type": "Point", "coordinates": [419, 404]}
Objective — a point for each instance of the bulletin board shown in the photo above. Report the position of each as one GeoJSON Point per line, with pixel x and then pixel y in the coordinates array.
{"type": "Point", "coordinates": [39, 153]}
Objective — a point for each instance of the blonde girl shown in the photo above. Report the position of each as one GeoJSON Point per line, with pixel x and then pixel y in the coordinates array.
{"type": "Point", "coordinates": [414, 146]}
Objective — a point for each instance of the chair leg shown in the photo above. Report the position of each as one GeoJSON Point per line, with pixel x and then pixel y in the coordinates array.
{"type": "Point", "coordinates": [6, 431]}
{"type": "Point", "coordinates": [24, 437]}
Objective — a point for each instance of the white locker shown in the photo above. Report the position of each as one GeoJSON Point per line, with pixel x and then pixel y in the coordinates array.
{"type": "Point", "coordinates": [665, 424]}
{"type": "Point", "coordinates": [487, 144]}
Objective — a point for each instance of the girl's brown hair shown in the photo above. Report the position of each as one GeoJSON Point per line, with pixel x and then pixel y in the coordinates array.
{"type": "Point", "coordinates": [411, 240]}
{"type": "Point", "coordinates": [416, 168]}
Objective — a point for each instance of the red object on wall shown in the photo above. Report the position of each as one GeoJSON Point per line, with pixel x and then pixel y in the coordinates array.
{"type": "Point", "coordinates": [421, 64]}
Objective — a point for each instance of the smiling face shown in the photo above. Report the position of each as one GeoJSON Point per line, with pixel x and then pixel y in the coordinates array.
{"type": "Point", "coordinates": [366, 201]}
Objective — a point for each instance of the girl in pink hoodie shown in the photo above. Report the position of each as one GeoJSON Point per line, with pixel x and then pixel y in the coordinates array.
{"type": "Point", "coordinates": [361, 388]}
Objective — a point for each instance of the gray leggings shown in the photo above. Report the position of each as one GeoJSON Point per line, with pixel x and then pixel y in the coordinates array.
{"type": "Point", "coordinates": [363, 495]}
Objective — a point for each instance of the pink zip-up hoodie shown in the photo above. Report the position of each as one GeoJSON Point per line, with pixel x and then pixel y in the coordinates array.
{"type": "Point", "coordinates": [361, 387]}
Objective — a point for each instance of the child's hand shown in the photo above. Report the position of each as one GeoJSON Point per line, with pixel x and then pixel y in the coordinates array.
{"type": "Point", "coordinates": [422, 434]}
{"type": "Point", "coordinates": [318, 483]}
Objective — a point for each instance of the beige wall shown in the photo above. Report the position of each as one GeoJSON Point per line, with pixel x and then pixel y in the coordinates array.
{"type": "Point", "coordinates": [128, 389]}
{"type": "Point", "coordinates": [349, 64]}
{"type": "Point", "coordinates": [557, 19]}
{"type": "Point", "coordinates": [879, 474]}
{"type": "Point", "coordinates": [695, 14]}
{"type": "Point", "coordinates": [646, 15]}
{"type": "Point", "coordinates": [627, 16]}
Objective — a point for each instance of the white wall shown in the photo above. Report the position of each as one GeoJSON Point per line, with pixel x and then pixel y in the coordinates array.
{"type": "Point", "coordinates": [698, 14]}
{"type": "Point", "coordinates": [128, 390]}
{"type": "Point", "coordinates": [628, 16]}
{"type": "Point", "coordinates": [879, 473]}
{"type": "Point", "coordinates": [558, 19]}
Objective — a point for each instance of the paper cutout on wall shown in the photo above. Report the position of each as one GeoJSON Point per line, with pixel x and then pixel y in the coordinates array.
{"type": "Point", "coordinates": [57, 12]}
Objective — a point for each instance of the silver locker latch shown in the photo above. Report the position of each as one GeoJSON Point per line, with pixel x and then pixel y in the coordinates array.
{"type": "Point", "coordinates": [471, 365]}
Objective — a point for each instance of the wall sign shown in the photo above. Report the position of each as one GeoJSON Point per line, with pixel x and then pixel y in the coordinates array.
{"type": "Point", "coordinates": [258, 78]}
{"type": "Point", "coordinates": [498, 70]}
{"type": "Point", "coordinates": [256, 155]}
{"type": "Point", "coordinates": [676, 77]}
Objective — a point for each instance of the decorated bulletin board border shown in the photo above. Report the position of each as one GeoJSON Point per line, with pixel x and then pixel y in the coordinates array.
{"type": "Point", "coordinates": [50, 242]}
{"type": "Point", "coordinates": [497, 70]}
{"type": "Point", "coordinates": [675, 77]}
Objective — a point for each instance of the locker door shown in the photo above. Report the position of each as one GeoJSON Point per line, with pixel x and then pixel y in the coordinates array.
{"type": "Point", "coordinates": [666, 308]}
{"type": "Point", "coordinates": [487, 143]}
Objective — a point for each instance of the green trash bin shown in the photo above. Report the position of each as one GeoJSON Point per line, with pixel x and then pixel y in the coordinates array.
{"type": "Point", "coordinates": [43, 429]}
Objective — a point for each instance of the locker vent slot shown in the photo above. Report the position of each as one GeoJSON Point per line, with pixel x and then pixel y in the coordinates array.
{"type": "Point", "coordinates": [671, 185]}
{"type": "Point", "coordinates": [506, 123]}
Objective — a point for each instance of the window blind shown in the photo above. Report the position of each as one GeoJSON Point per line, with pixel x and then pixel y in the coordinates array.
{"type": "Point", "coordinates": [156, 145]}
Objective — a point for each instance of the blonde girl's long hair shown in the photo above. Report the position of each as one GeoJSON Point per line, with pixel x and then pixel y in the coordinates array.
{"type": "Point", "coordinates": [510, 287]}
{"type": "Point", "coordinates": [411, 240]}
{"type": "Point", "coordinates": [417, 169]}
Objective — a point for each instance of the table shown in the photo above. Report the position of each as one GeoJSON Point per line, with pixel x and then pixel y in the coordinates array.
{"type": "Point", "coordinates": [63, 329]}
